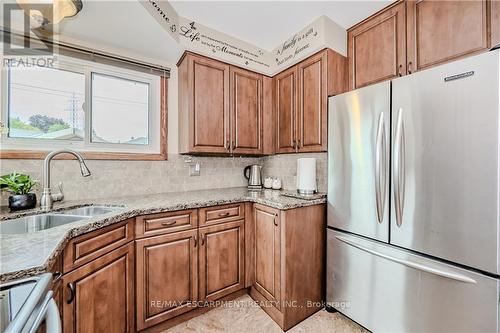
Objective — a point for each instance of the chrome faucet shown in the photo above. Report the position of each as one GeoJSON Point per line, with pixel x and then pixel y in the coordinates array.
{"type": "Point", "coordinates": [47, 199]}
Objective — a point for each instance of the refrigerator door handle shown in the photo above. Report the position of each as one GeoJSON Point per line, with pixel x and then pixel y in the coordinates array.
{"type": "Point", "coordinates": [380, 168]}
{"type": "Point", "coordinates": [399, 168]}
{"type": "Point", "coordinates": [416, 265]}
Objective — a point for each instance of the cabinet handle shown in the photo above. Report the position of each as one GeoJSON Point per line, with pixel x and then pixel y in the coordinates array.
{"type": "Point", "coordinates": [71, 287]}
{"type": "Point", "coordinates": [294, 143]}
{"type": "Point", "coordinates": [223, 214]}
{"type": "Point", "coordinates": [195, 240]}
{"type": "Point", "coordinates": [169, 223]}
{"type": "Point", "coordinates": [56, 276]}
{"type": "Point", "coordinates": [298, 144]}
{"type": "Point", "coordinates": [202, 239]}
{"type": "Point", "coordinates": [228, 146]}
{"type": "Point", "coordinates": [400, 70]}
{"type": "Point", "coordinates": [275, 219]}
{"type": "Point", "coordinates": [410, 65]}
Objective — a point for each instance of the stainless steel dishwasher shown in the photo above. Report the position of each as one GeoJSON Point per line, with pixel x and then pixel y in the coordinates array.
{"type": "Point", "coordinates": [26, 304]}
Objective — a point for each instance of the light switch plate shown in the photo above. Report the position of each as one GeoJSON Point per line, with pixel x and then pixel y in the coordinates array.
{"type": "Point", "coordinates": [194, 169]}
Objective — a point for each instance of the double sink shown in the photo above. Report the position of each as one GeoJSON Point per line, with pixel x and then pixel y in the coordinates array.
{"type": "Point", "coordinates": [34, 223]}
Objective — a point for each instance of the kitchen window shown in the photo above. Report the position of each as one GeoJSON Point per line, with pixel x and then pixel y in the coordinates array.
{"type": "Point", "coordinates": [81, 105]}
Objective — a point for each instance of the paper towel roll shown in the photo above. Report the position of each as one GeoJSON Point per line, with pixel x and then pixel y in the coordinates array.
{"type": "Point", "coordinates": [306, 175]}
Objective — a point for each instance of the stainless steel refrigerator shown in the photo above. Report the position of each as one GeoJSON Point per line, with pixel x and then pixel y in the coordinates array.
{"type": "Point", "coordinates": [413, 200]}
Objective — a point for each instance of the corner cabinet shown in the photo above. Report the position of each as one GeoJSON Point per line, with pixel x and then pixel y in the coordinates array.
{"type": "Point", "coordinates": [289, 262]}
{"type": "Point", "coordinates": [99, 296]}
{"type": "Point", "coordinates": [301, 101]}
{"type": "Point", "coordinates": [221, 108]}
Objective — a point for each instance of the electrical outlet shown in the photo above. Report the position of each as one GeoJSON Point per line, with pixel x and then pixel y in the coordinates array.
{"type": "Point", "coordinates": [194, 169]}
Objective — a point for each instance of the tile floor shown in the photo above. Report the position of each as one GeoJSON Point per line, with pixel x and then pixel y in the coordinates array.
{"type": "Point", "coordinates": [244, 315]}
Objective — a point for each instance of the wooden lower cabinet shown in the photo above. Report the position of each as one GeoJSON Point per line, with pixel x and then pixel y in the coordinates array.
{"type": "Point", "coordinates": [289, 262]}
{"type": "Point", "coordinates": [222, 260]}
{"type": "Point", "coordinates": [166, 276]}
{"type": "Point", "coordinates": [99, 296]}
{"type": "Point", "coordinates": [267, 253]}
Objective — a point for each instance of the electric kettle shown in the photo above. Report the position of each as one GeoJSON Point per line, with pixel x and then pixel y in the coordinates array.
{"type": "Point", "coordinates": [252, 174]}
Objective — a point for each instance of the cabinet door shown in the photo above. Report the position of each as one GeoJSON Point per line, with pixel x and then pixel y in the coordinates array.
{"type": "Point", "coordinates": [166, 276]}
{"type": "Point", "coordinates": [268, 253]}
{"type": "Point", "coordinates": [440, 31]}
{"type": "Point", "coordinates": [495, 23]}
{"type": "Point", "coordinates": [209, 105]}
{"type": "Point", "coordinates": [99, 296]}
{"type": "Point", "coordinates": [246, 112]}
{"type": "Point", "coordinates": [376, 48]}
{"type": "Point", "coordinates": [222, 260]}
{"type": "Point", "coordinates": [286, 109]}
{"type": "Point", "coordinates": [312, 115]}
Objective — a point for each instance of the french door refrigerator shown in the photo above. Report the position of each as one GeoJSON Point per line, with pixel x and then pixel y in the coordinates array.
{"type": "Point", "coordinates": [413, 200]}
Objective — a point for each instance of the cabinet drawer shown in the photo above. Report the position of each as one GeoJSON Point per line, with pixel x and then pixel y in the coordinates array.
{"type": "Point", "coordinates": [87, 247]}
{"type": "Point", "coordinates": [164, 223]}
{"type": "Point", "coordinates": [223, 213]}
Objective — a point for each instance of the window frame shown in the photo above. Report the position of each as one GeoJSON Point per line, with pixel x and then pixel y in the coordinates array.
{"type": "Point", "coordinates": [157, 118]}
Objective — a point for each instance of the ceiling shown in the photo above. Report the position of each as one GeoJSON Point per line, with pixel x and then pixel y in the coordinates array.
{"type": "Point", "coordinates": [267, 24]}
{"type": "Point", "coordinates": [126, 26]}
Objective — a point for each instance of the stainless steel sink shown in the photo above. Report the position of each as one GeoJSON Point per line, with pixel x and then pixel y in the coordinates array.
{"type": "Point", "coordinates": [90, 210]}
{"type": "Point", "coordinates": [35, 223]}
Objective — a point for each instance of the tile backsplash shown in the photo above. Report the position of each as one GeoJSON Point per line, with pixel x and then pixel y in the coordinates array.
{"type": "Point", "coordinates": [121, 178]}
{"type": "Point", "coordinates": [284, 166]}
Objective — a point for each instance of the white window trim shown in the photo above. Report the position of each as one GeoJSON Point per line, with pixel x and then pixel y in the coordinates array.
{"type": "Point", "coordinates": [87, 68]}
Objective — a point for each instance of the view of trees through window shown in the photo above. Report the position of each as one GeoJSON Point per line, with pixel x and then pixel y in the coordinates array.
{"type": "Point", "coordinates": [46, 103]}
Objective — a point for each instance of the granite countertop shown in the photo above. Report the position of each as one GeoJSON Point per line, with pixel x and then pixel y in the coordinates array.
{"type": "Point", "coordinates": [34, 253]}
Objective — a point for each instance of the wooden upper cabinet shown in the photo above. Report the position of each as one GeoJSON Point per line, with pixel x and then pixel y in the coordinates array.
{"type": "Point", "coordinates": [495, 23]}
{"type": "Point", "coordinates": [312, 111]}
{"type": "Point", "coordinates": [440, 31]}
{"type": "Point", "coordinates": [268, 253]}
{"type": "Point", "coordinates": [286, 110]}
{"type": "Point", "coordinates": [222, 260]}
{"type": "Point", "coordinates": [166, 276]}
{"type": "Point", "coordinates": [99, 296]}
{"type": "Point", "coordinates": [246, 111]}
{"type": "Point", "coordinates": [203, 105]}
{"type": "Point", "coordinates": [376, 47]}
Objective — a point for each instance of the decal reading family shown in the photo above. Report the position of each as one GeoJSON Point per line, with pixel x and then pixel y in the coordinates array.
{"type": "Point", "coordinates": [295, 46]}
{"type": "Point", "coordinates": [196, 37]}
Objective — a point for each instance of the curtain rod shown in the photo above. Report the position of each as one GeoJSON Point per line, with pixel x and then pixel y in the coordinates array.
{"type": "Point", "coordinates": [91, 52]}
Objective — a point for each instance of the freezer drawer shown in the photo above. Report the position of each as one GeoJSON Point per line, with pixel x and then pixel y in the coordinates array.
{"type": "Point", "coordinates": [387, 289]}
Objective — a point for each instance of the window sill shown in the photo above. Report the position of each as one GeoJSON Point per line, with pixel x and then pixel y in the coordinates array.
{"type": "Point", "coordinates": [40, 155]}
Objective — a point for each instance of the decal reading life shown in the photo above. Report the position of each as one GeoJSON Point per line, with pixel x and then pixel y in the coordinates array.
{"type": "Point", "coordinates": [458, 76]}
